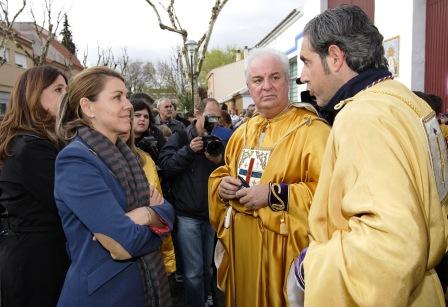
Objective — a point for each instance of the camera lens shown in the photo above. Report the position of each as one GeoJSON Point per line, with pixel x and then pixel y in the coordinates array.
{"type": "Point", "coordinates": [213, 145]}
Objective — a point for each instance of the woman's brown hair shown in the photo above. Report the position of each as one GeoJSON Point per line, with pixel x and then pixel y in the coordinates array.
{"type": "Point", "coordinates": [25, 112]}
{"type": "Point", "coordinates": [87, 84]}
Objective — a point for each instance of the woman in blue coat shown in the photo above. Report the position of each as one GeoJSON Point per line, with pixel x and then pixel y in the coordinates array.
{"type": "Point", "coordinates": [113, 220]}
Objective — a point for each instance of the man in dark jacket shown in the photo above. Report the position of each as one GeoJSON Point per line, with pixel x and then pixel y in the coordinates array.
{"type": "Point", "coordinates": [187, 165]}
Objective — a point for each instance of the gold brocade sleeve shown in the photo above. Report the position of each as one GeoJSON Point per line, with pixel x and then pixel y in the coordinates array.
{"type": "Point", "coordinates": [444, 129]}
{"type": "Point", "coordinates": [374, 194]}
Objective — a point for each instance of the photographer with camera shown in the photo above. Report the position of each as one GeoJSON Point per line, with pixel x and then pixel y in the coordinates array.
{"type": "Point", "coordinates": [147, 136]}
{"type": "Point", "coordinates": [187, 160]}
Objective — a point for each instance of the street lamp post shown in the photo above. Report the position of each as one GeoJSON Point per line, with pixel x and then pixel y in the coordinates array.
{"type": "Point", "coordinates": [191, 47]}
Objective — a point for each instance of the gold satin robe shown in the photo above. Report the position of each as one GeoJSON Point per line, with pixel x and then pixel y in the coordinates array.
{"type": "Point", "coordinates": [167, 247]}
{"type": "Point", "coordinates": [257, 256]}
{"type": "Point", "coordinates": [444, 129]}
{"type": "Point", "coordinates": [377, 224]}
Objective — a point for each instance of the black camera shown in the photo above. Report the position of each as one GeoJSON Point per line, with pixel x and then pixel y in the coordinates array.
{"type": "Point", "coordinates": [147, 142]}
{"type": "Point", "coordinates": [213, 145]}
{"type": "Point", "coordinates": [149, 145]}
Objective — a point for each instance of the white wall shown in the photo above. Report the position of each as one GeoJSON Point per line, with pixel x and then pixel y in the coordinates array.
{"type": "Point", "coordinates": [406, 19]}
{"type": "Point", "coordinates": [310, 10]}
{"type": "Point", "coordinates": [289, 40]}
{"type": "Point", "coordinates": [247, 100]}
{"type": "Point", "coordinates": [227, 80]}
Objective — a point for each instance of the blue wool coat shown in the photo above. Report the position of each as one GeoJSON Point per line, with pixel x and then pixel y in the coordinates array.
{"type": "Point", "coordinates": [91, 200]}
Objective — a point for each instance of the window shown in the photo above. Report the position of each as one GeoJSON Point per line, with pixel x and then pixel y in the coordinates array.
{"type": "Point", "coordinates": [293, 89]}
{"type": "Point", "coordinates": [21, 60]}
{"type": "Point", "coordinates": [4, 54]}
{"type": "Point", "coordinates": [4, 98]}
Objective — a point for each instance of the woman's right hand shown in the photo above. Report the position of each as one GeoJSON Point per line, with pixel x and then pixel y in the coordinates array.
{"type": "Point", "coordinates": [145, 216]}
{"type": "Point", "coordinates": [140, 216]}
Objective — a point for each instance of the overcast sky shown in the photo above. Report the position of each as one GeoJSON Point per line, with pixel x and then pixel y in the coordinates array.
{"type": "Point", "coordinates": [133, 24]}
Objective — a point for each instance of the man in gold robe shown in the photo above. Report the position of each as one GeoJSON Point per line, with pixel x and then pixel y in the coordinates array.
{"type": "Point", "coordinates": [259, 200]}
{"type": "Point", "coordinates": [378, 223]}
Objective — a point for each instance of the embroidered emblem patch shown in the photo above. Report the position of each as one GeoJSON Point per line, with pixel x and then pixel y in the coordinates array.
{"type": "Point", "coordinates": [252, 164]}
{"type": "Point", "coordinates": [438, 151]}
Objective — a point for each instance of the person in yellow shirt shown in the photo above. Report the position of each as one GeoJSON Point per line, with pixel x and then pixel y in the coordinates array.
{"type": "Point", "coordinates": [150, 169]}
{"type": "Point", "coordinates": [259, 200]}
{"type": "Point", "coordinates": [378, 222]}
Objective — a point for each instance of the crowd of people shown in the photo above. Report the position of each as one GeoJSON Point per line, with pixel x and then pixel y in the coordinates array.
{"type": "Point", "coordinates": [112, 201]}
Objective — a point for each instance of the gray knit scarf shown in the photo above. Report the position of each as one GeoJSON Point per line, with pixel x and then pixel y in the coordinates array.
{"type": "Point", "coordinates": [126, 167]}
{"type": "Point", "coordinates": [123, 163]}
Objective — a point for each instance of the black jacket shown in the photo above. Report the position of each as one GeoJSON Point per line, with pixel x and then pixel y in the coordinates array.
{"type": "Point", "coordinates": [184, 121]}
{"type": "Point", "coordinates": [187, 173]}
{"type": "Point", "coordinates": [173, 124]}
{"type": "Point", "coordinates": [33, 256]}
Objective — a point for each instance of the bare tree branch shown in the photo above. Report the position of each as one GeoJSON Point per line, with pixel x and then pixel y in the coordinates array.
{"type": "Point", "coordinates": [173, 16]}
{"type": "Point", "coordinates": [201, 49]}
{"type": "Point", "coordinates": [205, 39]}
{"type": "Point", "coordinates": [107, 58]}
{"type": "Point", "coordinates": [85, 56]}
{"type": "Point", "coordinates": [99, 55]}
{"type": "Point", "coordinates": [162, 25]}
{"type": "Point", "coordinates": [45, 36]}
{"type": "Point", "coordinates": [123, 61]}
{"type": "Point", "coordinates": [5, 9]}
{"type": "Point", "coordinates": [52, 30]}
{"type": "Point", "coordinates": [6, 25]}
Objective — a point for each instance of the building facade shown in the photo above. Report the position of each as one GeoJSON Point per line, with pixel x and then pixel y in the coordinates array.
{"type": "Point", "coordinates": [15, 63]}
{"type": "Point", "coordinates": [285, 37]}
{"type": "Point", "coordinates": [57, 56]}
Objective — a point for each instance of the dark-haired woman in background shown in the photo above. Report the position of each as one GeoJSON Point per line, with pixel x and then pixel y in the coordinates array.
{"type": "Point", "coordinates": [147, 136]}
{"type": "Point", "coordinates": [33, 259]}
